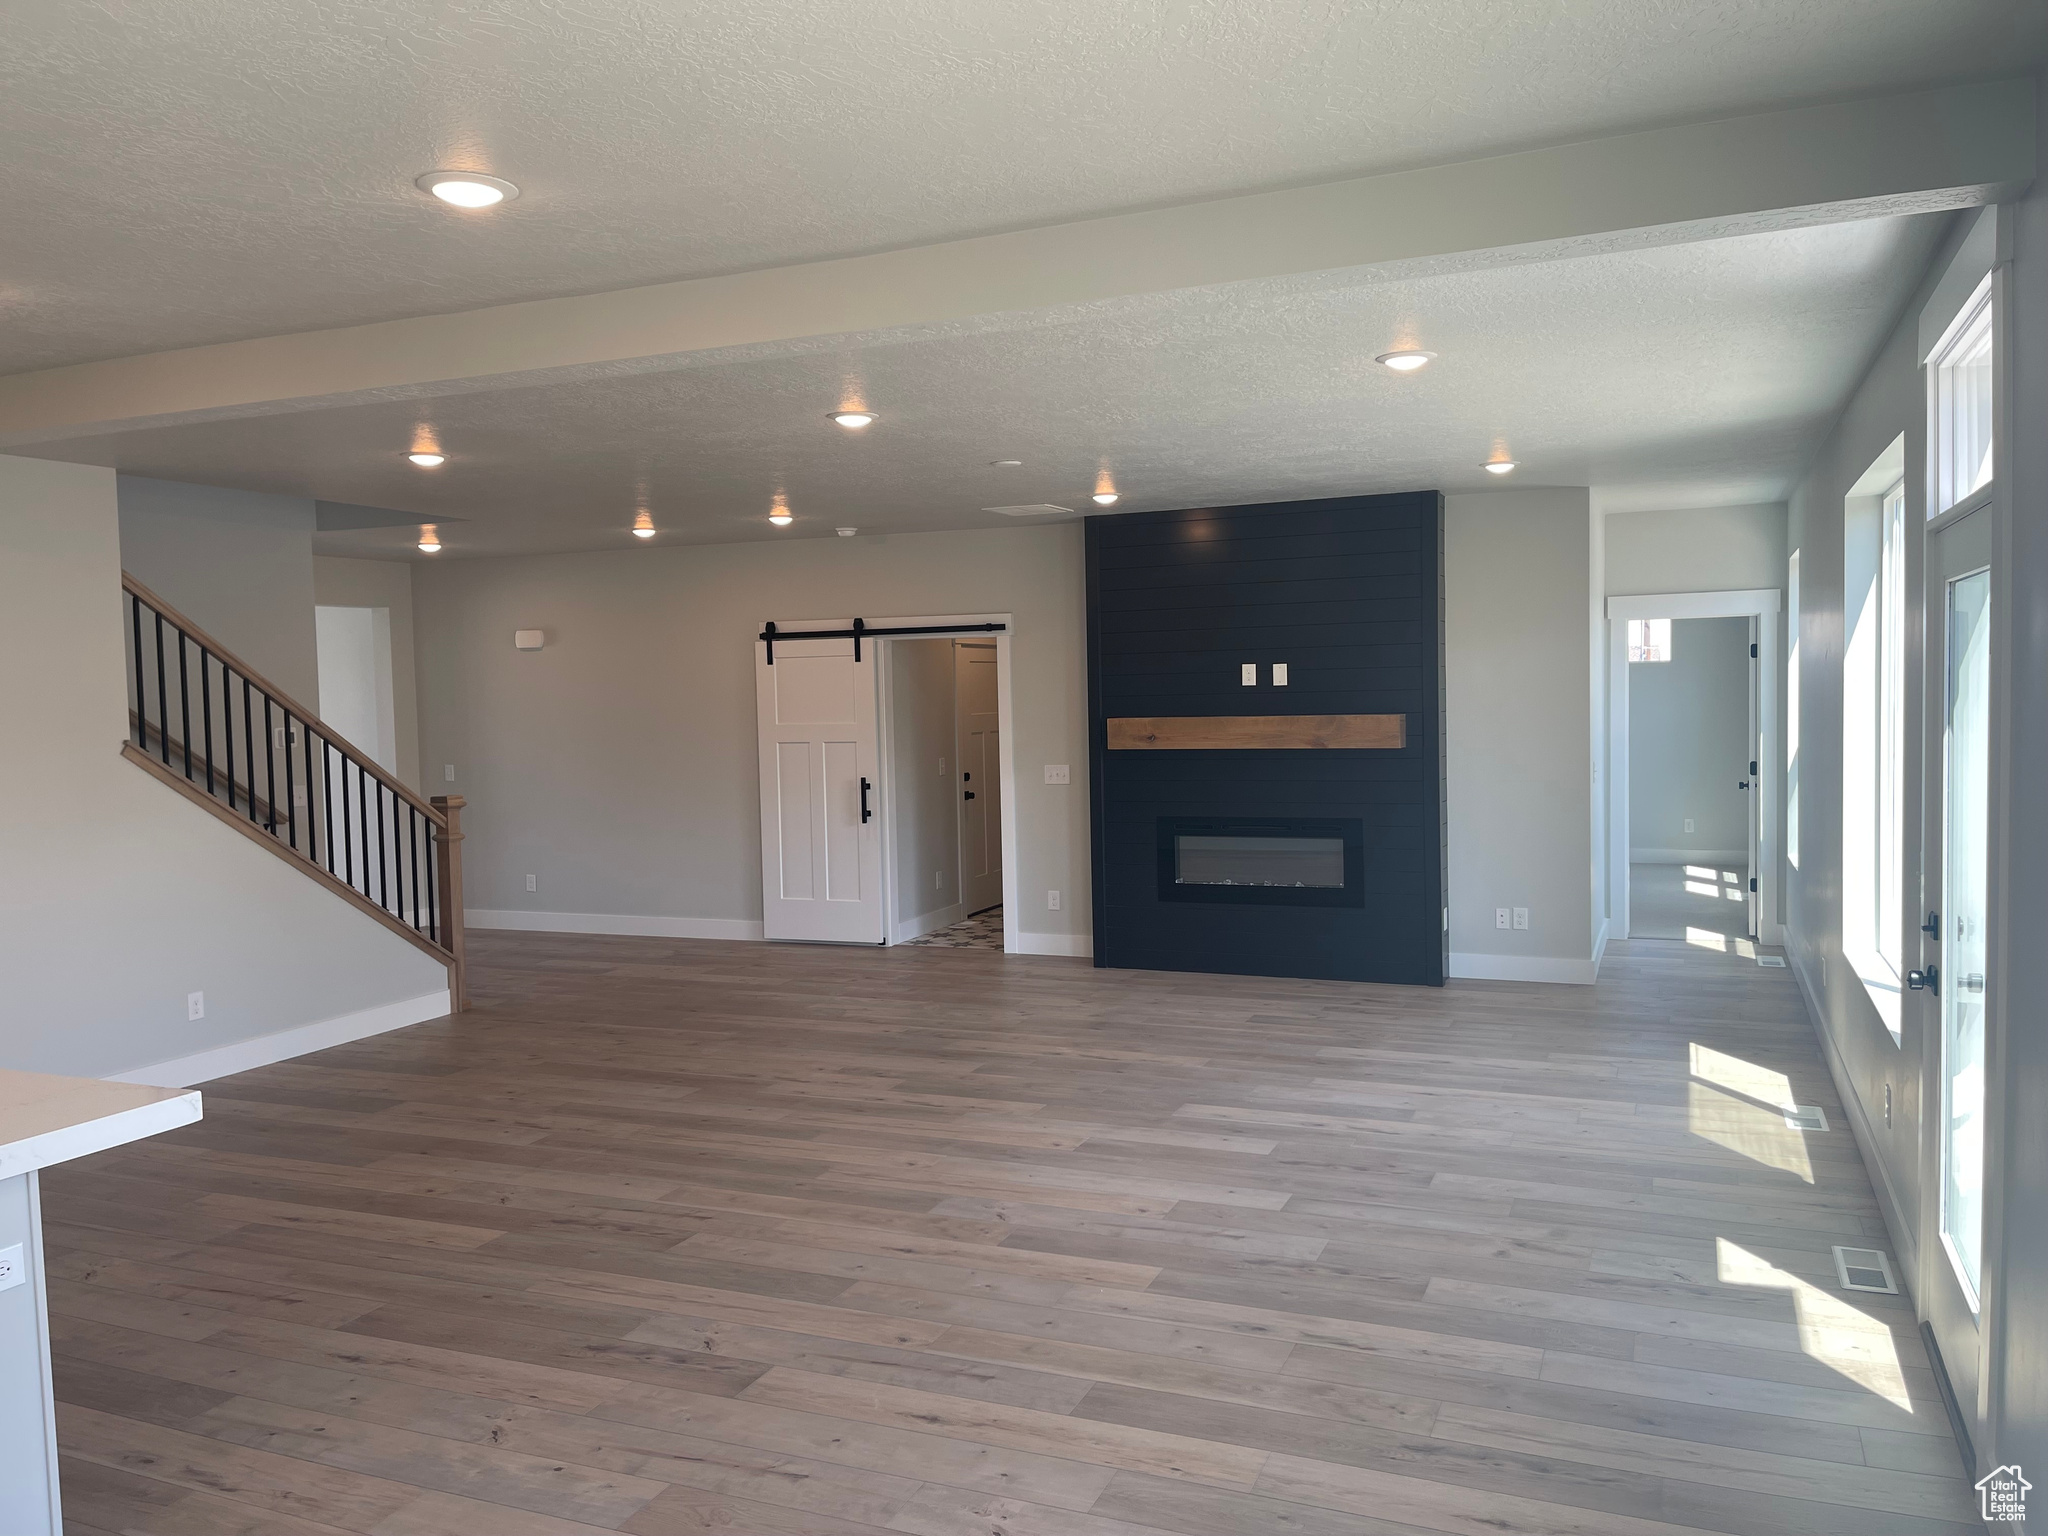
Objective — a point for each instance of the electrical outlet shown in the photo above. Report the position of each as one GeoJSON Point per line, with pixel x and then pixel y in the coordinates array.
{"type": "Point", "coordinates": [195, 1005]}
{"type": "Point", "coordinates": [448, 772]}
{"type": "Point", "coordinates": [1056, 773]}
{"type": "Point", "coordinates": [1052, 901]}
{"type": "Point", "coordinates": [1248, 674]}
{"type": "Point", "coordinates": [532, 884]}
{"type": "Point", "coordinates": [13, 1267]}
{"type": "Point", "coordinates": [1521, 917]}
{"type": "Point", "coordinates": [1500, 917]}
{"type": "Point", "coordinates": [1279, 674]}
{"type": "Point", "coordinates": [1688, 823]}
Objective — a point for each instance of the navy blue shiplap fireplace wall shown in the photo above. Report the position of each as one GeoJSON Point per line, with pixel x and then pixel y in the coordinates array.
{"type": "Point", "coordinates": [1347, 595]}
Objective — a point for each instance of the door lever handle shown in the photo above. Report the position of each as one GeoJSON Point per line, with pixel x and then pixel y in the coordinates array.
{"type": "Point", "coordinates": [970, 794]}
{"type": "Point", "coordinates": [1742, 784]}
{"type": "Point", "coordinates": [865, 814]}
{"type": "Point", "coordinates": [1928, 980]}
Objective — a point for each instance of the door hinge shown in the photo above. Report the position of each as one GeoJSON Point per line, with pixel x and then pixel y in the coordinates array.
{"type": "Point", "coordinates": [1752, 767]}
{"type": "Point", "coordinates": [1752, 650]}
{"type": "Point", "coordinates": [1752, 882]}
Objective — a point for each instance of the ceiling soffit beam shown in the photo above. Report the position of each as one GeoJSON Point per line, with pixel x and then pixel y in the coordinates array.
{"type": "Point", "coordinates": [1925, 151]}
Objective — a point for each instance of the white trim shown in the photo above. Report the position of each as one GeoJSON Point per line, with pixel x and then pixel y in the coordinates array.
{"type": "Point", "coordinates": [1599, 948]}
{"type": "Point", "coordinates": [1078, 945]}
{"type": "Point", "coordinates": [927, 922]}
{"type": "Point", "coordinates": [50, 1120]}
{"type": "Point", "coordinates": [1762, 604]}
{"type": "Point", "coordinates": [1686, 855]}
{"type": "Point", "coordinates": [1547, 968]}
{"type": "Point", "coordinates": [247, 1055]}
{"type": "Point", "coordinates": [618, 923]}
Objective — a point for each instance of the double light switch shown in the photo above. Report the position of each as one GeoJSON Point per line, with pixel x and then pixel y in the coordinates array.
{"type": "Point", "coordinates": [1248, 674]}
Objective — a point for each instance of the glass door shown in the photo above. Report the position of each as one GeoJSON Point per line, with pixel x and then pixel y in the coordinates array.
{"type": "Point", "coordinates": [1954, 955]}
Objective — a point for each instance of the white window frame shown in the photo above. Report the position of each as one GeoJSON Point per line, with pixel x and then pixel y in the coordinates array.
{"type": "Point", "coordinates": [1792, 655]}
{"type": "Point", "coordinates": [1976, 322]}
{"type": "Point", "coordinates": [1878, 622]}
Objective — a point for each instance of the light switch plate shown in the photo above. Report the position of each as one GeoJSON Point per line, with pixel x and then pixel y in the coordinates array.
{"type": "Point", "coordinates": [1248, 674]}
{"type": "Point", "coordinates": [1052, 901]}
{"type": "Point", "coordinates": [1279, 674]}
{"type": "Point", "coordinates": [448, 772]}
{"type": "Point", "coordinates": [1056, 773]}
{"type": "Point", "coordinates": [528, 639]}
{"type": "Point", "coordinates": [13, 1267]}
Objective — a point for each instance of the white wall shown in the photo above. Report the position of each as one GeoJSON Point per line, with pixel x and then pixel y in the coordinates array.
{"type": "Point", "coordinates": [1519, 730]}
{"type": "Point", "coordinates": [355, 677]}
{"type": "Point", "coordinates": [1689, 746]}
{"type": "Point", "coordinates": [385, 584]}
{"type": "Point", "coordinates": [239, 564]}
{"type": "Point", "coordinates": [118, 896]}
{"type": "Point", "coordinates": [617, 764]}
{"type": "Point", "coordinates": [922, 810]}
{"type": "Point", "coordinates": [1703, 549]}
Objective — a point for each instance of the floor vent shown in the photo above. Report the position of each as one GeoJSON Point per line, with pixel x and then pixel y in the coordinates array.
{"type": "Point", "coordinates": [1806, 1117]}
{"type": "Point", "coordinates": [1864, 1269]}
{"type": "Point", "coordinates": [1775, 962]}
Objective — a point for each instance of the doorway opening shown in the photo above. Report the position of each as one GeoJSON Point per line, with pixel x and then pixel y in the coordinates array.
{"type": "Point", "coordinates": [1692, 782]}
{"type": "Point", "coordinates": [885, 763]}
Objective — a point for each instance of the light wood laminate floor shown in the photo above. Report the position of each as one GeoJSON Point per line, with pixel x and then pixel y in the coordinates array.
{"type": "Point", "coordinates": [673, 1236]}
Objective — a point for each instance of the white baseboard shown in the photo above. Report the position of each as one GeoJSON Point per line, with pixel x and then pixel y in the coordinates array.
{"type": "Point", "coordinates": [1477, 967]}
{"type": "Point", "coordinates": [610, 922]}
{"type": "Point", "coordinates": [927, 922]}
{"type": "Point", "coordinates": [1076, 945]}
{"type": "Point", "coordinates": [1726, 858]}
{"type": "Point", "coordinates": [1599, 948]}
{"type": "Point", "coordinates": [247, 1055]}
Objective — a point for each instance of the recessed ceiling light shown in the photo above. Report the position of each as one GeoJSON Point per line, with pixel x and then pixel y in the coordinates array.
{"type": "Point", "coordinates": [1405, 361]}
{"type": "Point", "coordinates": [643, 525]}
{"type": "Point", "coordinates": [779, 513]}
{"type": "Point", "coordinates": [847, 533]}
{"type": "Point", "coordinates": [467, 189]}
{"type": "Point", "coordinates": [1500, 466]}
{"type": "Point", "coordinates": [430, 540]}
{"type": "Point", "coordinates": [853, 421]}
{"type": "Point", "coordinates": [1006, 463]}
{"type": "Point", "coordinates": [643, 533]}
{"type": "Point", "coordinates": [428, 460]}
{"type": "Point", "coordinates": [1104, 498]}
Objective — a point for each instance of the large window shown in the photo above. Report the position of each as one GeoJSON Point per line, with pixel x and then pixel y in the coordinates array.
{"type": "Point", "coordinates": [1874, 745]}
{"type": "Point", "coordinates": [1961, 366]}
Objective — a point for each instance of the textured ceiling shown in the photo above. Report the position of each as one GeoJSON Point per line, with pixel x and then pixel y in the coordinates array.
{"type": "Point", "coordinates": [188, 171]}
{"type": "Point", "coordinates": [1689, 375]}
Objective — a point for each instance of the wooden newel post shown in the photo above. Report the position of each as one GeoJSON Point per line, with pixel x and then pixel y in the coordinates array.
{"type": "Point", "coordinates": [448, 859]}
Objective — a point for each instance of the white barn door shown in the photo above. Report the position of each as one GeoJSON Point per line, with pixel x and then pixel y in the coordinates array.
{"type": "Point", "coordinates": [821, 866]}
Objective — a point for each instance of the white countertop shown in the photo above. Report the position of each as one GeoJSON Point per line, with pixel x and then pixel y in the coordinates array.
{"type": "Point", "coordinates": [46, 1120]}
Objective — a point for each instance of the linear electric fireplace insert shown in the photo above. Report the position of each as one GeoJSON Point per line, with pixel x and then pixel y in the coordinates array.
{"type": "Point", "coordinates": [1289, 861]}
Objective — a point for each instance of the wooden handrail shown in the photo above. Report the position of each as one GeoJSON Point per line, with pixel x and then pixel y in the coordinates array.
{"type": "Point", "coordinates": [363, 761]}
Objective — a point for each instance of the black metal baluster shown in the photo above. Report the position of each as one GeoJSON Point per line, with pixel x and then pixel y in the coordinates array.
{"type": "Point", "coordinates": [348, 838]}
{"type": "Point", "coordinates": [327, 797]}
{"type": "Point", "coordinates": [312, 842]}
{"type": "Point", "coordinates": [249, 745]}
{"type": "Point", "coordinates": [291, 797]}
{"type": "Point", "coordinates": [184, 702]}
{"type": "Point", "coordinates": [383, 854]}
{"type": "Point", "coordinates": [269, 767]}
{"type": "Point", "coordinates": [206, 710]}
{"type": "Point", "coordinates": [227, 725]}
{"type": "Point", "coordinates": [141, 708]}
{"type": "Point", "coordinates": [163, 707]}
{"type": "Point", "coordinates": [433, 905]}
{"type": "Point", "coordinates": [363, 821]}
{"type": "Point", "coordinates": [412, 836]}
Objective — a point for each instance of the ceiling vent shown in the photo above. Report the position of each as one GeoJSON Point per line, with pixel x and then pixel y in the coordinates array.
{"type": "Point", "coordinates": [1864, 1269]}
{"type": "Point", "coordinates": [1040, 509]}
{"type": "Point", "coordinates": [1806, 1117]}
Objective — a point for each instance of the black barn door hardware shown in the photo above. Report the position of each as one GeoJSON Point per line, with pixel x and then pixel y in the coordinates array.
{"type": "Point", "coordinates": [866, 815]}
{"type": "Point", "coordinates": [770, 634]}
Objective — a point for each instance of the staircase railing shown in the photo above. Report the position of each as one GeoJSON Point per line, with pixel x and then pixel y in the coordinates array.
{"type": "Point", "coordinates": [218, 732]}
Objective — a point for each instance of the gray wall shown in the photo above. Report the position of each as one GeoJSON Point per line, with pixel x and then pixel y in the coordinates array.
{"type": "Point", "coordinates": [385, 584]}
{"type": "Point", "coordinates": [1701, 549]}
{"type": "Point", "coordinates": [239, 564]}
{"type": "Point", "coordinates": [118, 896]}
{"type": "Point", "coordinates": [1519, 724]}
{"type": "Point", "coordinates": [923, 818]}
{"type": "Point", "coordinates": [617, 764]}
{"type": "Point", "coordinates": [1688, 744]}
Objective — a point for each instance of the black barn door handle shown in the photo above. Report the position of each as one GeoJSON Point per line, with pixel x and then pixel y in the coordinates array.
{"type": "Point", "coordinates": [970, 794]}
{"type": "Point", "coordinates": [865, 814]}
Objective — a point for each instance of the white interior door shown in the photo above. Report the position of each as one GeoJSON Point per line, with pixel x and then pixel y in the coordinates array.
{"type": "Point", "coordinates": [1952, 979]}
{"type": "Point", "coordinates": [821, 866]}
{"type": "Point", "coordinates": [979, 737]}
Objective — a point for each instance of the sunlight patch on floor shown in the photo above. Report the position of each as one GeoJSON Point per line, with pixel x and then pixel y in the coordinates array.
{"type": "Point", "coordinates": [1831, 1331]}
{"type": "Point", "coordinates": [1721, 943]}
{"type": "Point", "coordinates": [1741, 1106]}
